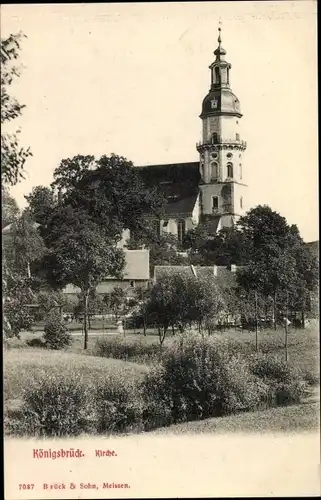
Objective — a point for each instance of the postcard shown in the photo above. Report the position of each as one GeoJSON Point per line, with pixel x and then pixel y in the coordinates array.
{"type": "Point", "coordinates": [160, 250]}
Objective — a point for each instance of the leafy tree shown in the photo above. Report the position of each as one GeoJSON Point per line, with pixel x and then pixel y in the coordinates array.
{"type": "Point", "coordinates": [41, 202]}
{"type": "Point", "coordinates": [110, 189]}
{"type": "Point", "coordinates": [278, 265]}
{"type": "Point", "coordinates": [70, 172]}
{"type": "Point", "coordinates": [23, 246]}
{"type": "Point", "coordinates": [163, 249]}
{"type": "Point", "coordinates": [10, 209]}
{"type": "Point", "coordinates": [56, 335]}
{"type": "Point", "coordinates": [17, 295]}
{"type": "Point", "coordinates": [223, 249]}
{"type": "Point", "coordinates": [178, 300]}
{"type": "Point", "coordinates": [13, 156]}
{"type": "Point", "coordinates": [81, 254]}
{"type": "Point", "coordinates": [117, 301]}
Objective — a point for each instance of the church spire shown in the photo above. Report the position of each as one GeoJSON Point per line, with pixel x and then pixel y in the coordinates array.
{"type": "Point", "coordinates": [219, 52]}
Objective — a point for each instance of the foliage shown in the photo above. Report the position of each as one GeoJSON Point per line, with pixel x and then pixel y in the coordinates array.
{"type": "Point", "coordinates": [287, 384]}
{"type": "Point", "coordinates": [49, 300]}
{"type": "Point", "coordinates": [23, 246]}
{"type": "Point", "coordinates": [70, 172]}
{"type": "Point", "coordinates": [223, 249]}
{"type": "Point", "coordinates": [279, 265]}
{"type": "Point", "coordinates": [81, 254]}
{"type": "Point", "coordinates": [128, 350]}
{"type": "Point", "coordinates": [116, 301]}
{"type": "Point", "coordinates": [13, 156]}
{"type": "Point", "coordinates": [10, 209]}
{"type": "Point", "coordinates": [109, 189]}
{"type": "Point", "coordinates": [41, 202]}
{"type": "Point", "coordinates": [59, 405]}
{"type": "Point", "coordinates": [17, 294]}
{"type": "Point", "coordinates": [178, 300]}
{"type": "Point", "coordinates": [163, 249]}
{"type": "Point", "coordinates": [56, 335]}
{"type": "Point", "coordinates": [118, 405]}
{"type": "Point", "coordinates": [199, 379]}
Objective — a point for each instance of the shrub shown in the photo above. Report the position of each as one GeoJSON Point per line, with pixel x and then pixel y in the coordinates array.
{"type": "Point", "coordinates": [157, 403]}
{"type": "Point", "coordinates": [127, 350]}
{"type": "Point", "coordinates": [56, 334]}
{"type": "Point", "coordinates": [58, 405]}
{"type": "Point", "coordinates": [118, 404]}
{"type": "Point", "coordinates": [200, 378]}
{"type": "Point", "coordinates": [287, 384]}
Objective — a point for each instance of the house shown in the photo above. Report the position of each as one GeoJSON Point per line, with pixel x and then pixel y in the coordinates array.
{"type": "Point", "coordinates": [223, 276]}
{"type": "Point", "coordinates": [136, 275]}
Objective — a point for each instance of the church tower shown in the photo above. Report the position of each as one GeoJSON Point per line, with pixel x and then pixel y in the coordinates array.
{"type": "Point", "coordinates": [222, 191]}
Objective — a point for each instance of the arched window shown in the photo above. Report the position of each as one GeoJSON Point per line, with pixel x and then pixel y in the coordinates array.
{"type": "Point", "coordinates": [181, 228]}
{"type": "Point", "coordinates": [215, 137]}
{"type": "Point", "coordinates": [241, 171]}
{"type": "Point", "coordinates": [228, 76]}
{"type": "Point", "coordinates": [214, 171]}
{"type": "Point", "coordinates": [230, 170]}
{"type": "Point", "coordinates": [241, 202]}
{"type": "Point", "coordinates": [214, 204]}
{"type": "Point", "coordinates": [217, 75]}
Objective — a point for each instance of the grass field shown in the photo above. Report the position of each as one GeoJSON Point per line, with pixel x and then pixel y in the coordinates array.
{"type": "Point", "coordinates": [23, 364]}
{"type": "Point", "coordinates": [302, 418]}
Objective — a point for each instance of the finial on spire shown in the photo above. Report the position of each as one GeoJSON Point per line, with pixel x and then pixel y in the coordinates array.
{"type": "Point", "coordinates": [219, 36]}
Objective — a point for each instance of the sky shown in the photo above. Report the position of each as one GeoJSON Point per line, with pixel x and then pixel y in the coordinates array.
{"type": "Point", "coordinates": [130, 79]}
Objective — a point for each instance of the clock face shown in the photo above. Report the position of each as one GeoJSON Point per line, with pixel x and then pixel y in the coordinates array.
{"type": "Point", "coordinates": [214, 103]}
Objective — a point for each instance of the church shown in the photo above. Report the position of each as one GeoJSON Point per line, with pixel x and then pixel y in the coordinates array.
{"type": "Point", "coordinates": [210, 190]}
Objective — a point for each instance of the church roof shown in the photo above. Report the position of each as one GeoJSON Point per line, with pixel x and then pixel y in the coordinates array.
{"type": "Point", "coordinates": [178, 182]}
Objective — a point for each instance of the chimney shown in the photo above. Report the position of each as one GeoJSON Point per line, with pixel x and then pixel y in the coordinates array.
{"type": "Point", "coordinates": [215, 270]}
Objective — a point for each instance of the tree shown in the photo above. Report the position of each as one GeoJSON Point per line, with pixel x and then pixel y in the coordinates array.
{"type": "Point", "coordinates": [41, 202]}
{"type": "Point", "coordinates": [223, 249]}
{"type": "Point", "coordinates": [117, 301]}
{"type": "Point", "coordinates": [10, 209]}
{"type": "Point", "coordinates": [81, 254]}
{"type": "Point", "coordinates": [24, 246]}
{"type": "Point", "coordinates": [13, 156]}
{"type": "Point", "coordinates": [17, 295]}
{"type": "Point", "coordinates": [178, 300]}
{"type": "Point", "coordinates": [70, 172]}
{"type": "Point", "coordinates": [163, 249]}
{"type": "Point", "coordinates": [277, 264]}
{"type": "Point", "coordinates": [109, 189]}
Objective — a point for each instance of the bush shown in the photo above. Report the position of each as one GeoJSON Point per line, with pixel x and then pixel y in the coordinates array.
{"type": "Point", "coordinates": [56, 334]}
{"type": "Point", "coordinates": [59, 405]}
{"type": "Point", "coordinates": [157, 403]}
{"type": "Point", "coordinates": [127, 350]}
{"type": "Point", "coordinates": [118, 405]}
{"type": "Point", "coordinates": [287, 384]}
{"type": "Point", "coordinates": [199, 379]}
